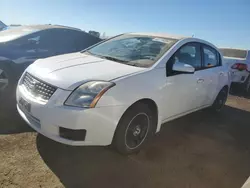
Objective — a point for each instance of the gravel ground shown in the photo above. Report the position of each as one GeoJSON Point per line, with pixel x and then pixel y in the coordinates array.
{"type": "Point", "coordinates": [200, 150]}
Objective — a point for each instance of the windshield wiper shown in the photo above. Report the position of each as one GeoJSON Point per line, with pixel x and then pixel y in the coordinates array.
{"type": "Point", "coordinates": [113, 59]}
{"type": "Point", "coordinates": [132, 64]}
{"type": "Point", "coordinates": [105, 57]}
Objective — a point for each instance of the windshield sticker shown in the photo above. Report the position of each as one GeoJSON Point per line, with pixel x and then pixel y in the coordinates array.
{"type": "Point", "coordinates": [163, 40]}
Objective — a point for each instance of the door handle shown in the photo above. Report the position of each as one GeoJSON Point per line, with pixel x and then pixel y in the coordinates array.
{"type": "Point", "coordinates": [221, 74]}
{"type": "Point", "coordinates": [200, 81]}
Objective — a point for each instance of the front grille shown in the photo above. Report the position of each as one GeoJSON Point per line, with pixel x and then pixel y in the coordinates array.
{"type": "Point", "coordinates": [37, 88]}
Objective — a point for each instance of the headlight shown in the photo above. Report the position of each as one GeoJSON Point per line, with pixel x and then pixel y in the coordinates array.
{"type": "Point", "coordinates": [88, 94]}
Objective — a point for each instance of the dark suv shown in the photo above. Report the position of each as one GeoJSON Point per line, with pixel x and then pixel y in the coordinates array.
{"type": "Point", "coordinates": [21, 46]}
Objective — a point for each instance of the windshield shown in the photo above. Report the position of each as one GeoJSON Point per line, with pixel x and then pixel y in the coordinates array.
{"type": "Point", "coordinates": [13, 33]}
{"type": "Point", "coordinates": [136, 50]}
{"type": "Point", "coordinates": [234, 53]}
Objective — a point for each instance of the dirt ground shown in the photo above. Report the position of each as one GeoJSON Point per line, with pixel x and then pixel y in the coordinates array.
{"type": "Point", "coordinates": [200, 150]}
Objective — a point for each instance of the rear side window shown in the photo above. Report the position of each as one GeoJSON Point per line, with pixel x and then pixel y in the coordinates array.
{"type": "Point", "coordinates": [63, 40]}
{"type": "Point", "coordinates": [236, 53]}
{"type": "Point", "coordinates": [67, 40]}
{"type": "Point", "coordinates": [210, 58]}
{"type": "Point", "coordinates": [190, 54]}
{"type": "Point", "coordinates": [85, 40]}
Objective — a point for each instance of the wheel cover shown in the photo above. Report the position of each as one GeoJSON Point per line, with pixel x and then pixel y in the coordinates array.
{"type": "Point", "coordinates": [4, 81]}
{"type": "Point", "coordinates": [137, 130]}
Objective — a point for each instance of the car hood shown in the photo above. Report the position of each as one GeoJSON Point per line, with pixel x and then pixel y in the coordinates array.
{"type": "Point", "coordinates": [71, 70]}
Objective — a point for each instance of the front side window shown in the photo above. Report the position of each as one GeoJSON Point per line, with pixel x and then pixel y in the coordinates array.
{"type": "Point", "coordinates": [188, 54]}
{"type": "Point", "coordinates": [210, 57]}
{"type": "Point", "coordinates": [136, 50]}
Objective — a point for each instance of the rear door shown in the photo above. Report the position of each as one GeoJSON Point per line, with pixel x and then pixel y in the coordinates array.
{"type": "Point", "coordinates": [213, 73]}
{"type": "Point", "coordinates": [24, 51]}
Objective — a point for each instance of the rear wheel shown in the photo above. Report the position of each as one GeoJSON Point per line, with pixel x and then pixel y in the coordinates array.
{"type": "Point", "coordinates": [4, 80]}
{"type": "Point", "coordinates": [247, 86]}
{"type": "Point", "coordinates": [134, 129]}
{"type": "Point", "coordinates": [220, 100]}
{"type": "Point", "coordinates": [7, 87]}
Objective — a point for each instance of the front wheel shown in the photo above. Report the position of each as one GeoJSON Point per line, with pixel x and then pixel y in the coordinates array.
{"type": "Point", "coordinates": [220, 100]}
{"type": "Point", "coordinates": [134, 129]}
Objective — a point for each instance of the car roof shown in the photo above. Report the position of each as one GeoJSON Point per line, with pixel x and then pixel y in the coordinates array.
{"type": "Point", "coordinates": [44, 27]}
{"type": "Point", "coordinates": [163, 35]}
{"type": "Point", "coordinates": [176, 37]}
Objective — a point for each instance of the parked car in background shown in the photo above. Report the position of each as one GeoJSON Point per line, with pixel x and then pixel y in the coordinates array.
{"type": "Point", "coordinates": [20, 46]}
{"type": "Point", "coordinates": [238, 61]}
{"type": "Point", "coordinates": [121, 90]}
{"type": "Point", "coordinates": [11, 26]}
{"type": "Point", "coordinates": [2, 25]}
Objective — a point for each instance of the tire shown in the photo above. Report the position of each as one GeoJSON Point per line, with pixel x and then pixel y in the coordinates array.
{"type": "Point", "coordinates": [134, 129]}
{"type": "Point", "coordinates": [247, 86]}
{"type": "Point", "coordinates": [4, 78]}
{"type": "Point", "coordinates": [7, 90]}
{"type": "Point", "coordinates": [220, 100]}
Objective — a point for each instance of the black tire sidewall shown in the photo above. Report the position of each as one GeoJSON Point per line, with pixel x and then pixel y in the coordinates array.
{"type": "Point", "coordinates": [7, 96]}
{"type": "Point", "coordinates": [247, 90]}
{"type": "Point", "coordinates": [8, 71]}
{"type": "Point", "coordinates": [214, 106]}
{"type": "Point", "coordinates": [119, 138]}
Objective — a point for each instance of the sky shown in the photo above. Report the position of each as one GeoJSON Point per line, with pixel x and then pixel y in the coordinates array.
{"type": "Point", "coordinates": [225, 23]}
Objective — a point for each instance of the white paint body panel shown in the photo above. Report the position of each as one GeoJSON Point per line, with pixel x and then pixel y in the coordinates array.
{"type": "Point", "coordinates": [70, 70]}
{"type": "Point", "coordinates": [174, 96]}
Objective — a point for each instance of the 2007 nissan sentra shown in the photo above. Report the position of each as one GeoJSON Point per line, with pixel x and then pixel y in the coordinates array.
{"type": "Point", "coordinates": [121, 90]}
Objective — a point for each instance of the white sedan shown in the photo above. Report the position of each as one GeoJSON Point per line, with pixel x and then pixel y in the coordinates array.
{"type": "Point", "coordinates": [121, 90]}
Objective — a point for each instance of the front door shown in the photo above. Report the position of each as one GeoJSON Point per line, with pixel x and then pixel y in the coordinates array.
{"type": "Point", "coordinates": [184, 92]}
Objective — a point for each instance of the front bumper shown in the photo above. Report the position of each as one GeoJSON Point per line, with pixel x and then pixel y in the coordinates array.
{"type": "Point", "coordinates": [100, 123]}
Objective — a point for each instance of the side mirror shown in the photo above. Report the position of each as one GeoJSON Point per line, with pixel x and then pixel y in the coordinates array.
{"type": "Point", "coordinates": [183, 68]}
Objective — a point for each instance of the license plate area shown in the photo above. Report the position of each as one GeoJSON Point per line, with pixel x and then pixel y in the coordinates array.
{"type": "Point", "coordinates": [25, 105]}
